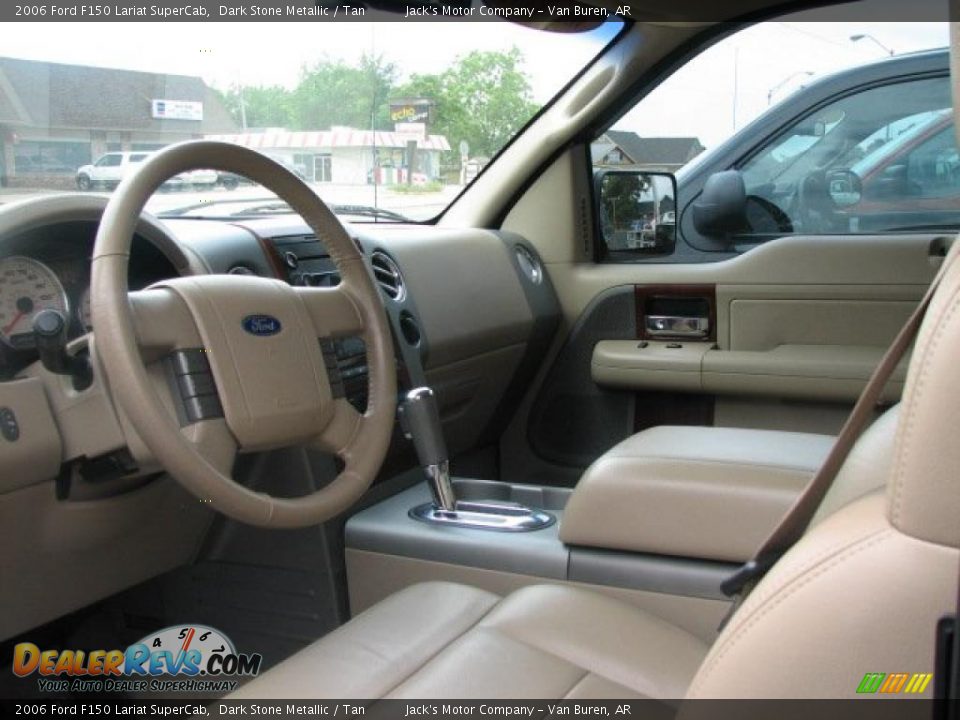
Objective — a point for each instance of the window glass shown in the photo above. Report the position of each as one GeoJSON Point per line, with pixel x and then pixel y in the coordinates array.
{"type": "Point", "coordinates": [893, 142]}
{"type": "Point", "coordinates": [864, 163]}
{"type": "Point", "coordinates": [38, 156]}
{"type": "Point", "coordinates": [384, 121]}
{"type": "Point", "coordinates": [109, 161]}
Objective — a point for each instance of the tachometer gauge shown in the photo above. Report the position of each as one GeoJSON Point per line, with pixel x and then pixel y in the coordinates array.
{"type": "Point", "coordinates": [27, 286]}
{"type": "Point", "coordinates": [83, 311]}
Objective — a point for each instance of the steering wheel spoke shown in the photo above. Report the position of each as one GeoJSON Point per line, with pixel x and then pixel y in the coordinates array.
{"type": "Point", "coordinates": [342, 430]}
{"type": "Point", "coordinates": [162, 323]}
{"type": "Point", "coordinates": [334, 311]}
{"type": "Point", "coordinates": [214, 442]}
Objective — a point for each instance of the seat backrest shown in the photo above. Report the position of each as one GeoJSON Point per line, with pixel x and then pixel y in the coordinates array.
{"type": "Point", "coordinates": [863, 590]}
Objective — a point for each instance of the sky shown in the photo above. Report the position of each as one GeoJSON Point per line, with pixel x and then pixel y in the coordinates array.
{"type": "Point", "coordinates": [733, 82]}
{"type": "Point", "coordinates": [272, 53]}
{"type": "Point", "coordinates": [764, 63]}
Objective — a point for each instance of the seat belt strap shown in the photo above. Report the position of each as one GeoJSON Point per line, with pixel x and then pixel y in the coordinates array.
{"type": "Point", "coordinates": [798, 517]}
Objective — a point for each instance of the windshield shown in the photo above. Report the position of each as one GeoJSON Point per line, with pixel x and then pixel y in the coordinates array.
{"type": "Point", "coordinates": [384, 120]}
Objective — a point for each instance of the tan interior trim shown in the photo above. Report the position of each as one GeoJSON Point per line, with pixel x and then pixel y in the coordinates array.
{"type": "Point", "coordinates": [648, 493]}
{"type": "Point", "coordinates": [374, 576]}
{"type": "Point", "coordinates": [30, 446]}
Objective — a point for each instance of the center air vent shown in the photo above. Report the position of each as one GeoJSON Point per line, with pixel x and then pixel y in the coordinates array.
{"type": "Point", "coordinates": [388, 275]}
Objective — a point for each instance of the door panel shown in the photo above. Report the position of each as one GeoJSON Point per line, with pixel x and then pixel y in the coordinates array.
{"type": "Point", "coordinates": [798, 324]}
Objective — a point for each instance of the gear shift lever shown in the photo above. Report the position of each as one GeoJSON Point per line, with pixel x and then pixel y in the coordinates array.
{"type": "Point", "coordinates": [420, 422]}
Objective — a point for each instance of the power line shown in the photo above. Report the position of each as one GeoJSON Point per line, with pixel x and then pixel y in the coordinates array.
{"type": "Point", "coordinates": [815, 36]}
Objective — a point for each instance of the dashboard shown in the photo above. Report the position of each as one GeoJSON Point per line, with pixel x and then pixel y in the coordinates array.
{"type": "Point", "coordinates": [471, 311]}
{"type": "Point", "coordinates": [48, 268]}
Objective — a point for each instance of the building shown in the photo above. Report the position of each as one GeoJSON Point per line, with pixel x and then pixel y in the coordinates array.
{"type": "Point", "coordinates": [349, 156]}
{"type": "Point", "coordinates": [55, 118]}
{"type": "Point", "coordinates": [618, 148]}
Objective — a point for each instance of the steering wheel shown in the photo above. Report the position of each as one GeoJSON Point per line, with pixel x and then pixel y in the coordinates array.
{"type": "Point", "coordinates": [813, 204]}
{"type": "Point", "coordinates": [261, 339]}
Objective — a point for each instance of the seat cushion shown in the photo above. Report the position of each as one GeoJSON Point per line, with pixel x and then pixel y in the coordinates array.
{"type": "Point", "coordinates": [441, 640]}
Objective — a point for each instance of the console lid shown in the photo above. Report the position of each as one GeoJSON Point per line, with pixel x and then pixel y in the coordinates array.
{"type": "Point", "coordinates": [699, 492]}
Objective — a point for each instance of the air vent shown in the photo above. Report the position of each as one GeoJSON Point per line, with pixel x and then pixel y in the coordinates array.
{"type": "Point", "coordinates": [388, 275]}
{"type": "Point", "coordinates": [241, 269]}
{"type": "Point", "coordinates": [529, 265]}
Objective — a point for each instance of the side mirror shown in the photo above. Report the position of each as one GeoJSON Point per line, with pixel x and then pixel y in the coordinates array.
{"type": "Point", "coordinates": [721, 208]}
{"type": "Point", "coordinates": [637, 210]}
{"type": "Point", "coordinates": [845, 188]}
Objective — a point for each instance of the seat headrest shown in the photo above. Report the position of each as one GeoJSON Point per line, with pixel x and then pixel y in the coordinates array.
{"type": "Point", "coordinates": [924, 487]}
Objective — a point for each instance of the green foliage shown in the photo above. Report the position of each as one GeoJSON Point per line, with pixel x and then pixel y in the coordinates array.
{"type": "Point", "coordinates": [483, 98]}
{"type": "Point", "coordinates": [621, 195]}
{"type": "Point", "coordinates": [334, 93]}
{"type": "Point", "coordinates": [431, 187]}
{"type": "Point", "coordinates": [329, 93]}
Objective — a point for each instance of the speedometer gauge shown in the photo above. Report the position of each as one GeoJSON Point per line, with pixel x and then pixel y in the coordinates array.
{"type": "Point", "coordinates": [27, 286]}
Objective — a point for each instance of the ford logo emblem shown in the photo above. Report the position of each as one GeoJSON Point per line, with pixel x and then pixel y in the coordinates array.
{"type": "Point", "coordinates": [261, 325]}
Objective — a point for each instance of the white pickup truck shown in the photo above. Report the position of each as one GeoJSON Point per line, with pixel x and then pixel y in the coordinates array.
{"type": "Point", "coordinates": [110, 169]}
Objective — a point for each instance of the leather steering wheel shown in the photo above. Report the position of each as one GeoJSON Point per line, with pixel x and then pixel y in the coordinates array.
{"type": "Point", "coordinates": [262, 340]}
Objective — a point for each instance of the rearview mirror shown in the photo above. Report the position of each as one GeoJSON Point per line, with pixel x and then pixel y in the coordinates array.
{"type": "Point", "coordinates": [721, 208]}
{"type": "Point", "coordinates": [638, 210]}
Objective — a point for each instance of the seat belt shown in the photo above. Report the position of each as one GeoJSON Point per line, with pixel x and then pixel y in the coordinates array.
{"type": "Point", "coordinates": [798, 517]}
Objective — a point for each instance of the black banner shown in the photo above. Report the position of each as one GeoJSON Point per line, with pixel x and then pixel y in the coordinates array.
{"type": "Point", "coordinates": [863, 709]}
{"type": "Point", "coordinates": [580, 15]}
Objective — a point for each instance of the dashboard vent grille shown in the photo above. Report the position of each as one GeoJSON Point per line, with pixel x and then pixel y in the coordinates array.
{"type": "Point", "coordinates": [388, 275]}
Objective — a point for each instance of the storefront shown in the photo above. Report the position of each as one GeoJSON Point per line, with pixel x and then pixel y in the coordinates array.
{"type": "Point", "coordinates": [349, 156]}
{"type": "Point", "coordinates": [55, 118]}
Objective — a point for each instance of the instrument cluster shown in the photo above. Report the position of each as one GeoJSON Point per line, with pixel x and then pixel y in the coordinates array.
{"type": "Point", "coordinates": [48, 268]}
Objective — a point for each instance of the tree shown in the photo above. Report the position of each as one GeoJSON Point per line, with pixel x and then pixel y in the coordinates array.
{"type": "Point", "coordinates": [622, 196]}
{"type": "Point", "coordinates": [267, 106]}
{"type": "Point", "coordinates": [484, 98]}
{"type": "Point", "coordinates": [328, 93]}
{"type": "Point", "coordinates": [335, 93]}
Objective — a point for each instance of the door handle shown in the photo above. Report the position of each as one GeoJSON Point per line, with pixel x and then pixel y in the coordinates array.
{"type": "Point", "coordinates": [677, 326]}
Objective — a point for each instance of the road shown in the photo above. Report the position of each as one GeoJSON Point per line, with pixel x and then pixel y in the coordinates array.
{"type": "Point", "coordinates": [416, 206]}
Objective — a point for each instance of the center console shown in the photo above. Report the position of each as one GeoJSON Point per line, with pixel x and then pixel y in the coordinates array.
{"type": "Point", "coordinates": [659, 520]}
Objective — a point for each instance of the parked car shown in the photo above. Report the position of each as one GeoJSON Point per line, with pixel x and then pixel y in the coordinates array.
{"type": "Point", "coordinates": [108, 170]}
{"type": "Point", "coordinates": [111, 168]}
{"type": "Point", "coordinates": [867, 149]}
{"type": "Point", "coordinates": [231, 181]}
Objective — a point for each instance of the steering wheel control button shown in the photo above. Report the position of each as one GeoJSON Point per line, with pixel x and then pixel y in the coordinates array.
{"type": "Point", "coordinates": [9, 427]}
{"type": "Point", "coordinates": [202, 407]}
{"type": "Point", "coordinates": [186, 362]}
{"type": "Point", "coordinates": [195, 384]}
{"type": "Point", "coordinates": [329, 350]}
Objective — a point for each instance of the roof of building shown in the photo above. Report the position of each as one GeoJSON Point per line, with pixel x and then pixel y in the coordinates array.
{"type": "Point", "coordinates": [336, 138]}
{"type": "Point", "coordinates": [655, 150]}
{"type": "Point", "coordinates": [52, 95]}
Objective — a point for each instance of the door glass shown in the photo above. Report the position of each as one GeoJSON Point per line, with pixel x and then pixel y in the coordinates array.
{"type": "Point", "coordinates": [883, 159]}
{"type": "Point", "coordinates": [109, 161]}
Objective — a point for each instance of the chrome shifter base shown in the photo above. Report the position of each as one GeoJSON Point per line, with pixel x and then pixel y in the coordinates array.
{"type": "Point", "coordinates": [480, 515]}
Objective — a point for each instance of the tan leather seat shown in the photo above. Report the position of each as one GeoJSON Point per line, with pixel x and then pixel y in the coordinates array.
{"type": "Point", "coordinates": [441, 640]}
{"type": "Point", "coordinates": [861, 592]}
